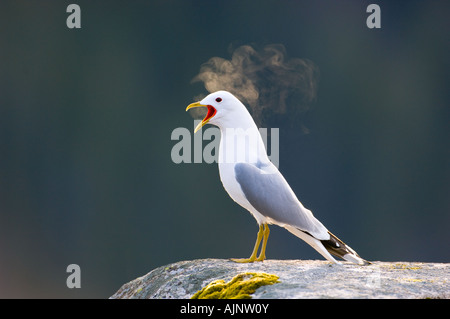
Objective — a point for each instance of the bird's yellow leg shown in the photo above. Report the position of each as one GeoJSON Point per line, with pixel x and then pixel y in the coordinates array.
{"type": "Point", "coordinates": [252, 258]}
{"type": "Point", "coordinates": [262, 254]}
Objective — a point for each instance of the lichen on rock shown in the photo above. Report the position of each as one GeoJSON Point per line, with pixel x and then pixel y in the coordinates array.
{"type": "Point", "coordinates": [240, 287]}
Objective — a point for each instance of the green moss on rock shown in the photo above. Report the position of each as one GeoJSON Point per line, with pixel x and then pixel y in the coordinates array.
{"type": "Point", "coordinates": [240, 287]}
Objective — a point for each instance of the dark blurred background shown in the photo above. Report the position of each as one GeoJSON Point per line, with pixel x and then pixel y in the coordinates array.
{"type": "Point", "coordinates": [86, 117]}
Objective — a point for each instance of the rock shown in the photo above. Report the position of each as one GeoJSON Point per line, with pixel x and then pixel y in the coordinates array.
{"type": "Point", "coordinates": [298, 279]}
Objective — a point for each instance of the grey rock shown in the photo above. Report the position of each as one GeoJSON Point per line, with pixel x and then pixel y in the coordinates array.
{"type": "Point", "coordinates": [298, 279]}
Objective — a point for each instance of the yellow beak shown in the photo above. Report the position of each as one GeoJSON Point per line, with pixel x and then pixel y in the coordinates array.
{"type": "Point", "coordinates": [211, 112]}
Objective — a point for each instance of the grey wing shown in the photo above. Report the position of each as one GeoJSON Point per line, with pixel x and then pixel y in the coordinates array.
{"type": "Point", "coordinates": [272, 197]}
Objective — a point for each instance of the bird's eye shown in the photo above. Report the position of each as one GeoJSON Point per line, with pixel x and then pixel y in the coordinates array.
{"type": "Point", "coordinates": [218, 100]}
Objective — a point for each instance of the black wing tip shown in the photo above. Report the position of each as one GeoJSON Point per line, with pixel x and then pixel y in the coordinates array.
{"type": "Point", "coordinates": [338, 248]}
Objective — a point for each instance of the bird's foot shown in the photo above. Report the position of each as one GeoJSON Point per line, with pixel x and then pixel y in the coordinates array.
{"type": "Point", "coordinates": [263, 234]}
{"type": "Point", "coordinates": [248, 260]}
{"type": "Point", "coordinates": [243, 260]}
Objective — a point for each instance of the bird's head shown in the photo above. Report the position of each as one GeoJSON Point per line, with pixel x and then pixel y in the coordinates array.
{"type": "Point", "coordinates": [223, 109]}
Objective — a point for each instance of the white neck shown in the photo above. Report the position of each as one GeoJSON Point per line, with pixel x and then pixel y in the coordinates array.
{"type": "Point", "coordinates": [241, 141]}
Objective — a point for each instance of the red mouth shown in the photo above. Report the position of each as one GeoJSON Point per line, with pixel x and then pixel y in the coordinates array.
{"type": "Point", "coordinates": [211, 112]}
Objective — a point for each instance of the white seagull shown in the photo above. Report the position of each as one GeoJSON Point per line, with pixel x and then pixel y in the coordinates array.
{"type": "Point", "coordinates": [255, 183]}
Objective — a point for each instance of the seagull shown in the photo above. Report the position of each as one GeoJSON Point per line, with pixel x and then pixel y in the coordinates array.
{"type": "Point", "coordinates": [255, 183]}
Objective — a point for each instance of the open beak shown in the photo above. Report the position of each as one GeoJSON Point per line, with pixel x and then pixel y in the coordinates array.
{"type": "Point", "coordinates": [211, 112]}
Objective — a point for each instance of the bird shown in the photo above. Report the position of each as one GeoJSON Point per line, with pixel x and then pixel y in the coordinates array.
{"type": "Point", "coordinates": [256, 184]}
